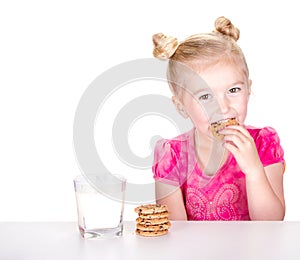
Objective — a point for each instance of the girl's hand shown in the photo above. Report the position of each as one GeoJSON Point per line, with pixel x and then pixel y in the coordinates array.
{"type": "Point", "coordinates": [240, 143]}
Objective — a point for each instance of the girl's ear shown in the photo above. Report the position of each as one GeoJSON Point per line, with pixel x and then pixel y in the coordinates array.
{"type": "Point", "coordinates": [249, 86]}
{"type": "Point", "coordinates": [180, 107]}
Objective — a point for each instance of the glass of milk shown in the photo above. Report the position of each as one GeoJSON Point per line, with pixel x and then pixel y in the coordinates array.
{"type": "Point", "coordinates": [100, 205]}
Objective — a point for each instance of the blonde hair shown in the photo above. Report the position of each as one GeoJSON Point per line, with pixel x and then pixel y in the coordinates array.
{"type": "Point", "coordinates": [203, 49]}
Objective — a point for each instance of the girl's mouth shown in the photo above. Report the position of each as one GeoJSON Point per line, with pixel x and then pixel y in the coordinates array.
{"type": "Point", "coordinates": [220, 125]}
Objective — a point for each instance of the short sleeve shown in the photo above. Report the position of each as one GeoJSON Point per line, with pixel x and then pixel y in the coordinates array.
{"type": "Point", "coordinates": [268, 146]}
{"type": "Point", "coordinates": [166, 159]}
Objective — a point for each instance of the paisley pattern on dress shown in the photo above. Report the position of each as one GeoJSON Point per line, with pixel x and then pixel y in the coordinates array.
{"type": "Point", "coordinates": [219, 207]}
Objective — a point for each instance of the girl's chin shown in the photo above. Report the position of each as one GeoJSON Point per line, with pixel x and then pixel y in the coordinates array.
{"type": "Point", "coordinates": [207, 134]}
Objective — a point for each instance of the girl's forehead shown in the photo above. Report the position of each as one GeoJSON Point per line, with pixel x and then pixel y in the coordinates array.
{"type": "Point", "coordinates": [217, 77]}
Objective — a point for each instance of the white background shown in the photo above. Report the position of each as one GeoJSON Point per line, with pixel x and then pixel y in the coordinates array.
{"type": "Point", "coordinates": [50, 51]}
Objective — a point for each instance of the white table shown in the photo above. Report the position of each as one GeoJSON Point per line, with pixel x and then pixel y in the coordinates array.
{"type": "Point", "coordinates": [186, 240]}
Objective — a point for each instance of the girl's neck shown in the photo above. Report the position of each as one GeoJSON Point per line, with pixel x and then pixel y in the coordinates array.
{"type": "Point", "coordinates": [210, 154]}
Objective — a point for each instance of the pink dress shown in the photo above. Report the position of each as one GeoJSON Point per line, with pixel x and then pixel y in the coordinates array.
{"type": "Point", "coordinates": [218, 197]}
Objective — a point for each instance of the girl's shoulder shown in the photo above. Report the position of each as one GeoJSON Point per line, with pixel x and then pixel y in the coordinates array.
{"type": "Point", "coordinates": [268, 144]}
{"type": "Point", "coordinates": [263, 133]}
{"type": "Point", "coordinates": [177, 143]}
{"type": "Point", "coordinates": [170, 155]}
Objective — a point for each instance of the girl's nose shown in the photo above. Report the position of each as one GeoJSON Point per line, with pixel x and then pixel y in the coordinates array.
{"type": "Point", "coordinates": [223, 105]}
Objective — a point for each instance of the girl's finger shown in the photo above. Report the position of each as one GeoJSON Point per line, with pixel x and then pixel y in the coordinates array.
{"type": "Point", "coordinates": [230, 133]}
{"type": "Point", "coordinates": [239, 128]}
{"type": "Point", "coordinates": [231, 148]}
{"type": "Point", "coordinates": [234, 139]}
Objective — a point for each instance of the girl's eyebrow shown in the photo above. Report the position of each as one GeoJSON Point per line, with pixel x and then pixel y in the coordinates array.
{"type": "Point", "coordinates": [207, 89]}
{"type": "Point", "coordinates": [236, 83]}
{"type": "Point", "coordinates": [201, 90]}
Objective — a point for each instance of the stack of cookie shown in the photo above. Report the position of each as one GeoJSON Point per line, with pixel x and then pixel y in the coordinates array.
{"type": "Point", "coordinates": [153, 220]}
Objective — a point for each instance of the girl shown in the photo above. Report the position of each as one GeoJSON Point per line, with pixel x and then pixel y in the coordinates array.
{"type": "Point", "coordinates": [234, 174]}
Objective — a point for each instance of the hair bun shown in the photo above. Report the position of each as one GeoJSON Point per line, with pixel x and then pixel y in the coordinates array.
{"type": "Point", "coordinates": [164, 46]}
{"type": "Point", "coordinates": [225, 27]}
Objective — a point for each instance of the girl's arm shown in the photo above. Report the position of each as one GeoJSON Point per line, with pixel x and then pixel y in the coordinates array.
{"type": "Point", "coordinates": [172, 197]}
{"type": "Point", "coordinates": [265, 193]}
{"type": "Point", "coordinates": [264, 184]}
